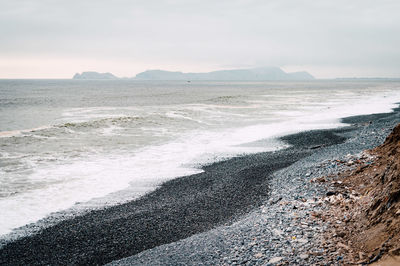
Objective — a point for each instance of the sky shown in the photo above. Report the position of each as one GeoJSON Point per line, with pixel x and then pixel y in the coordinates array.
{"type": "Point", "coordinates": [328, 38]}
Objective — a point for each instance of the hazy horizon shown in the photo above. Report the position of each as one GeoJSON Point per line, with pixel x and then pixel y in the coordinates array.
{"type": "Point", "coordinates": [132, 77]}
{"type": "Point", "coordinates": [56, 39]}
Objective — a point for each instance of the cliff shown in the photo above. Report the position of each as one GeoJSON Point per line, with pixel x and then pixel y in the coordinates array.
{"type": "Point", "coordinates": [367, 199]}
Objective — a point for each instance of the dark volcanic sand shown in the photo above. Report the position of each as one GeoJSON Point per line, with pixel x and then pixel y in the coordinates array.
{"type": "Point", "coordinates": [178, 209]}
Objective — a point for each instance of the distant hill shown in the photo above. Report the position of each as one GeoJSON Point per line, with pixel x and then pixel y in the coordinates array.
{"type": "Point", "coordinates": [94, 75]}
{"type": "Point", "coordinates": [301, 75]}
{"type": "Point", "coordinates": [262, 73]}
{"type": "Point", "coordinates": [265, 73]}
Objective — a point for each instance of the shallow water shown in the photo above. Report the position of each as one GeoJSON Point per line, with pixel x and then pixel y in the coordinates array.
{"type": "Point", "coordinates": [96, 143]}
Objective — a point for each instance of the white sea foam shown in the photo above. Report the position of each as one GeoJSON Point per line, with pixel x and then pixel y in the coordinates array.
{"type": "Point", "coordinates": [13, 133]}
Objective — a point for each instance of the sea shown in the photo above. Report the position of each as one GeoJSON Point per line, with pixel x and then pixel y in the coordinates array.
{"type": "Point", "coordinates": [85, 144]}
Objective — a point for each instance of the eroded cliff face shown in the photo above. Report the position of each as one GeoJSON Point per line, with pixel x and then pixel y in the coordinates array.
{"type": "Point", "coordinates": [385, 183]}
{"type": "Point", "coordinates": [365, 206]}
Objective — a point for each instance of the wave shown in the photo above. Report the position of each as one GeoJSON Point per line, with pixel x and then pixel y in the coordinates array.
{"type": "Point", "coordinates": [15, 133]}
{"type": "Point", "coordinates": [119, 122]}
{"type": "Point", "coordinates": [103, 121]}
{"type": "Point", "coordinates": [226, 99]}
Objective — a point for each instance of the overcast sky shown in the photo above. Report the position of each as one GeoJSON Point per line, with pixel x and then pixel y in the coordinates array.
{"type": "Point", "coordinates": [335, 38]}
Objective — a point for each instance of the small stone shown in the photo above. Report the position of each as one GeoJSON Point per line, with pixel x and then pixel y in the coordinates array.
{"type": "Point", "coordinates": [341, 234]}
{"type": "Point", "coordinates": [395, 252]}
{"type": "Point", "coordinates": [275, 259]}
{"type": "Point", "coordinates": [330, 193]}
{"type": "Point", "coordinates": [258, 255]}
{"type": "Point", "coordinates": [277, 232]}
{"type": "Point", "coordinates": [303, 256]}
{"type": "Point", "coordinates": [302, 240]}
{"type": "Point", "coordinates": [342, 245]}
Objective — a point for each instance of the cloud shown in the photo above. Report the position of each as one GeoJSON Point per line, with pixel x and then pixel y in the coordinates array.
{"type": "Point", "coordinates": [201, 35]}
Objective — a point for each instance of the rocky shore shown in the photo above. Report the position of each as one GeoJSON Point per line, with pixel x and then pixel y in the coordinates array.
{"type": "Point", "coordinates": [258, 209]}
{"type": "Point", "coordinates": [294, 226]}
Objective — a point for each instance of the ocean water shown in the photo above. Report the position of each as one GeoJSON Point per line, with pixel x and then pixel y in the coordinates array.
{"type": "Point", "coordinates": [88, 144]}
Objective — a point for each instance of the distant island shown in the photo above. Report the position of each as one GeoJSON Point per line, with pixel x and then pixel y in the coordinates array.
{"type": "Point", "coordinates": [94, 75]}
{"type": "Point", "coordinates": [262, 73]}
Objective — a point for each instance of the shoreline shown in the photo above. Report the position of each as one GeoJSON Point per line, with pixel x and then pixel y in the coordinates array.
{"type": "Point", "coordinates": [181, 207]}
{"type": "Point", "coordinates": [286, 229]}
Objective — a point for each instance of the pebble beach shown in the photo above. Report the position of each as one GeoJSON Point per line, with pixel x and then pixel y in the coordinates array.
{"type": "Point", "coordinates": [256, 209]}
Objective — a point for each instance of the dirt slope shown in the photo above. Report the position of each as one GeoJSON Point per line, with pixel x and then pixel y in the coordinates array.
{"type": "Point", "coordinates": [364, 216]}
